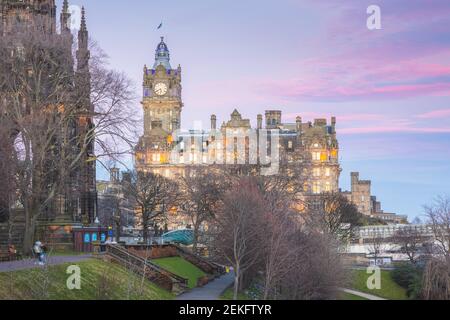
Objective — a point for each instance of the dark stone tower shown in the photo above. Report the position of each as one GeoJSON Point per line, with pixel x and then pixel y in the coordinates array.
{"type": "Point", "coordinates": [87, 176]}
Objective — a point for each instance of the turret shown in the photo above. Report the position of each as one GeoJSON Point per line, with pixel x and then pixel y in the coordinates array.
{"type": "Point", "coordinates": [65, 18]}
{"type": "Point", "coordinates": [273, 119]}
{"type": "Point", "coordinates": [83, 79]}
{"type": "Point", "coordinates": [162, 56]}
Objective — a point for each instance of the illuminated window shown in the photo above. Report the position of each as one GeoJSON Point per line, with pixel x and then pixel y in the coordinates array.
{"type": "Point", "coordinates": [316, 187]}
{"type": "Point", "coordinates": [316, 156]}
{"type": "Point", "coordinates": [181, 159]}
{"type": "Point", "coordinates": [327, 187]}
{"type": "Point", "coordinates": [327, 172]}
{"type": "Point", "coordinates": [316, 172]}
{"type": "Point", "coordinates": [290, 144]}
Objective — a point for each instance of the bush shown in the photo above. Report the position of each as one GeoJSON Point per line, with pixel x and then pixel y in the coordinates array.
{"type": "Point", "coordinates": [409, 277]}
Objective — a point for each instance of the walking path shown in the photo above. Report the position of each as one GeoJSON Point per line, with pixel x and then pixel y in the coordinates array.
{"type": "Point", "coordinates": [31, 263]}
{"type": "Point", "coordinates": [212, 291]}
{"type": "Point", "coordinates": [362, 294]}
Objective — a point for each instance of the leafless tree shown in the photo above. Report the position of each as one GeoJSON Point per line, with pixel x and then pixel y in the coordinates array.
{"type": "Point", "coordinates": [410, 241]}
{"type": "Point", "coordinates": [438, 215]}
{"type": "Point", "coordinates": [319, 270]}
{"type": "Point", "coordinates": [436, 278]}
{"type": "Point", "coordinates": [41, 103]}
{"type": "Point", "coordinates": [202, 191]}
{"type": "Point", "coordinates": [154, 195]}
{"type": "Point", "coordinates": [334, 214]}
{"type": "Point", "coordinates": [376, 246]}
{"type": "Point", "coordinates": [277, 250]}
{"type": "Point", "coordinates": [239, 228]}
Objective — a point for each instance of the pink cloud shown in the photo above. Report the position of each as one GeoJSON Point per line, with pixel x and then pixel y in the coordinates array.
{"type": "Point", "coordinates": [435, 114]}
{"type": "Point", "coordinates": [392, 129]}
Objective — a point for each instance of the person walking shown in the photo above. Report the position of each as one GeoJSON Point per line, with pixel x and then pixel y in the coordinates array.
{"type": "Point", "coordinates": [38, 250]}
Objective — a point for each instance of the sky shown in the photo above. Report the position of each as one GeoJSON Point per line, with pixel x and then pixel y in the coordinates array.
{"type": "Point", "coordinates": [388, 88]}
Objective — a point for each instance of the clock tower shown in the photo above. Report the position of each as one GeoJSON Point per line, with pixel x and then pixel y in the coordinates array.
{"type": "Point", "coordinates": [162, 106]}
{"type": "Point", "coordinates": [162, 93]}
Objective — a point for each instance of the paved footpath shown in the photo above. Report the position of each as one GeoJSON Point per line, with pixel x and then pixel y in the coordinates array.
{"type": "Point", "coordinates": [362, 294]}
{"type": "Point", "coordinates": [212, 291]}
{"type": "Point", "coordinates": [31, 263]}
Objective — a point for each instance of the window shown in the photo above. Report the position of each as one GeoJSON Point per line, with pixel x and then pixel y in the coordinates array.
{"type": "Point", "coordinates": [328, 172]}
{"type": "Point", "coordinates": [316, 172]}
{"type": "Point", "coordinates": [327, 187]}
{"type": "Point", "coordinates": [316, 187]}
{"type": "Point", "coordinates": [316, 156]}
{"type": "Point", "coordinates": [290, 145]}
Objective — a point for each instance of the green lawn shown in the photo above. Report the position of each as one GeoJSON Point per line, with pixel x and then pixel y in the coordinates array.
{"type": "Point", "coordinates": [349, 296]}
{"type": "Point", "coordinates": [99, 281]}
{"type": "Point", "coordinates": [228, 295]}
{"type": "Point", "coordinates": [389, 289]}
{"type": "Point", "coordinates": [181, 268]}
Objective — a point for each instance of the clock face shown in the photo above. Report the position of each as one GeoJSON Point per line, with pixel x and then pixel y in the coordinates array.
{"type": "Point", "coordinates": [160, 89]}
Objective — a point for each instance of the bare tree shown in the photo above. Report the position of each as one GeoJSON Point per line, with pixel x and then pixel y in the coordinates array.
{"type": "Point", "coordinates": [203, 189]}
{"type": "Point", "coordinates": [334, 214]}
{"type": "Point", "coordinates": [319, 272]}
{"type": "Point", "coordinates": [239, 228]}
{"type": "Point", "coordinates": [410, 241]}
{"type": "Point", "coordinates": [279, 228]}
{"type": "Point", "coordinates": [438, 215]}
{"type": "Point", "coordinates": [376, 246]}
{"type": "Point", "coordinates": [52, 134]}
{"type": "Point", "coordinates": [436, 279]}
{"type": "Point", "coordinates": [154, 195]}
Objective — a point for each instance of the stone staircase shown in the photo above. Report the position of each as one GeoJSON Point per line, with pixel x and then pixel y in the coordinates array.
{"type": "Point", "coordinates": [202, 263]}
{"type": "Point", "coordinates": [143, 267]}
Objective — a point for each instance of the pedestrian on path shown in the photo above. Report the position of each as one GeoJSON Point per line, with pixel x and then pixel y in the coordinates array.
{"type": "Point", "coordinates": [38, 250]}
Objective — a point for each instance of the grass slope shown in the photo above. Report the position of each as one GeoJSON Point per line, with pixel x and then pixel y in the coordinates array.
{"type": "Point", "coordinates": [349, 296]}
{"type": "Point", "coordinates": [182, 268]}
{"type": "Point", "coordinates": [389, 289]}
{"type": "Point", "coordinates": [229, 293]}
{"type": "Point", "coordinates": [99, 281]}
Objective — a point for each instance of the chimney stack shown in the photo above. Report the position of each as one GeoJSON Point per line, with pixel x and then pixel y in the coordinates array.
{"type": "Point", "coordinates": [213, 122]}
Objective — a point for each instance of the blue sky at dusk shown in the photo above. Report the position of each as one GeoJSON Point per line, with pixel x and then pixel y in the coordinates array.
{"type": "Point", "coordinates": [389, 88]}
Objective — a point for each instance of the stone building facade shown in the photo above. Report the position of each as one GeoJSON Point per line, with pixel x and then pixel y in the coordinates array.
{"type": "Point", "coordinates": [165, 149]}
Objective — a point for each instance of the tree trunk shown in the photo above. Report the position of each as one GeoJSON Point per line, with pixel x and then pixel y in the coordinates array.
{"type": "Point", "coordinates": [237, 272]}
{"type": "Point", "coordinates": [195, 240]}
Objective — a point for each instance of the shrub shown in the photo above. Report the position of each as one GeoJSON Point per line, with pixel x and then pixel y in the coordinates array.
{"type": "Point", "coordinates": [409, 277]}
